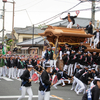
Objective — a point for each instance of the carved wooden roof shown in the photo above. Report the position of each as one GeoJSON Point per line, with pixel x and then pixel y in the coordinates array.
{"type": "Point", "coordinates": [60, 31]}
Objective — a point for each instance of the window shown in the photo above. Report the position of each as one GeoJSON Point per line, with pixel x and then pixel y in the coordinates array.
{"type": "Point", "coordinates": [26, 39]}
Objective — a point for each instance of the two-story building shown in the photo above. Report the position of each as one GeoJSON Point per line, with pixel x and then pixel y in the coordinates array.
{"type": "Point", "coordinates": [23, 34]}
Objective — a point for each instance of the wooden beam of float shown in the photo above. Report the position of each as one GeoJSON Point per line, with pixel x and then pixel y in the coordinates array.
{"type": "Point", "coordinates": [66, 35]}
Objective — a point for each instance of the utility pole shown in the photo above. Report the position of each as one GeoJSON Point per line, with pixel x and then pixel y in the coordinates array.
{"type": "Point", "coordinates": [93, 12]}
{"type": "Point", "coordinates": [3, 29]}
{"type": "Point", "coordinates": [33, 37]}
{"type": "Point", "coordinates": [92, 9]}
{"type": "Point", "coordinates": [13, 26]}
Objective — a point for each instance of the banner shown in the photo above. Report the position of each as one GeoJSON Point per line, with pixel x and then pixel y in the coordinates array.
{"type": "Point", "coordinates": [3, 51]}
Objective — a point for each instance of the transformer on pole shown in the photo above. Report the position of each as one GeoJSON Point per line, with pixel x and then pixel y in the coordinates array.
{"type": "Point", "coordinates": [4, 0]}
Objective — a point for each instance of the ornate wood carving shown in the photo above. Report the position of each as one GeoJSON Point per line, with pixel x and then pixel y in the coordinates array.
{"type": "Point", "coordinates": [70, 39]}
{"type": "Point", "coordinates": [50, 27]}
{"type": "Point", "coordinates": [52, 39]}
{"type": "Point", "coordinates": [49, 34]}
{"type": "Point", "coordinates": [67, 39]}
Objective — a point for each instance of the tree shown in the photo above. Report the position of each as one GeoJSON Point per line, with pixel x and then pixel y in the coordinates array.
{"type": "Point", "coordinates": [9, 44]}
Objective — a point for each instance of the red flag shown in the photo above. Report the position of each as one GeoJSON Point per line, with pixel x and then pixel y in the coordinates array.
{"type": "Point", "coordinates": [35, 77]}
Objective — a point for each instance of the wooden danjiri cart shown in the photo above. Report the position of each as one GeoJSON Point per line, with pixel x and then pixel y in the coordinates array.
{"type": "Point", "coordinates": [63, 35]}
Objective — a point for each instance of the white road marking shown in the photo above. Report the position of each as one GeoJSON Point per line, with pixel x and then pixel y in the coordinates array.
{"type": "Point", "coordinates": [17, 96]}
{"type": "Point", "coordinates": [7, 79]}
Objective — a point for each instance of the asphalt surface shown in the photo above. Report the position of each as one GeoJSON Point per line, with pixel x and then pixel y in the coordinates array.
{"type": "Point", "coordinates": [9, 90]}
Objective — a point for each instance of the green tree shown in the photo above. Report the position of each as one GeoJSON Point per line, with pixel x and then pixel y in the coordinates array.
{"type": "Point", "coordinates": [9, 44]}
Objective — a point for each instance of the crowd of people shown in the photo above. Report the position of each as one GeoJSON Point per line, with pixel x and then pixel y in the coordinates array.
{"type": "Point", "coordinates": [12, 66]}
{"type": "Point", "coordinates": [80, 66]}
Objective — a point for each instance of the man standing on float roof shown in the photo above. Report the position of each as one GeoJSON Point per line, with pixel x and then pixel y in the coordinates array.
{"type": "Point", "coordinates": [70, 20]}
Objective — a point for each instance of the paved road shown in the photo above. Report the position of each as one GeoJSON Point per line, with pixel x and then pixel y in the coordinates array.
{"type": "Point", "coordinates": [10, 90]}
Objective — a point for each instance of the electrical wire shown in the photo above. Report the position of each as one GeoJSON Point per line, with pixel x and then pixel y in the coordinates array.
{"type": "Point", "coordinates": [69, 2]}
{"type": "Point", "coordinates": [34, 4]}
{"type": "Point", "coordinates": [29, 17]}
{"type": "Point", "coordinates": [84, 9]}
{"type": "Point", "coordinates": [70, 11]}
{"type": "Point", "coordinates": [27, 7]}
{"type": "Point", "coordinates": [24, 4]}
{"type": "Point", "coordinates": [52, 18]}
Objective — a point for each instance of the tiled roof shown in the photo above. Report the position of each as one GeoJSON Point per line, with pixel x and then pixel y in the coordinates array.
{"type": "Point", "coordinates": [37, 41]}
{"type": "Point", "coordinates": [61, 31]}
{"type": "Point", "coordinates": [9, 36]}
{"type": "Point", "coordinates": [83, 22]}
{"type": "Point", "coordinates": [28, 30]}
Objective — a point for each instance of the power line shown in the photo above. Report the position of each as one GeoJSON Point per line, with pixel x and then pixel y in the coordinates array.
{"type": "Point", "coordinates": [56, 11]}
{"type": "Point", "coordinates": [38, 11]}
{"type": "Point", "coordinates": [53, 11]}
{"type": "Point", "coordinates": [17, 10]}
{"type": "Point", "coordinates": [83, 9]}
{"type": "Point", "coordinates": [27, 7]}
{"type": "Point", "coordinates": [24, 4]}
{"type": "Point", "coordinates": [68, 2]}
{"type": "Point", "coordinates": [70, 11]}
{"type": "Point", "coordinates": [54, 17]}
{"type": "Point", "coordinates": [29, 17]}
{"type": "Point", "coordinates": [34, 4]}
